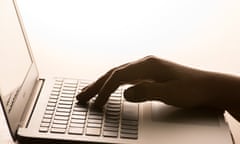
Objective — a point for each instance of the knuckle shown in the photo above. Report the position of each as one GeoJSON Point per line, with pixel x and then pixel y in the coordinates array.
{"type": "Point", "coordinates": [115, 77]}
{"type": "Point", "coordinates": [151, 64]}
{"type": "Point", "coordinates": [151, 61]}
{"type": "Point", "coordinates": [151, 58]}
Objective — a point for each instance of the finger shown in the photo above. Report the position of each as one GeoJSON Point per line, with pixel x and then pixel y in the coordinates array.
{"type": "Point", "coordinates": [142, 69]}
{"type": "Point", "coordinates": [123, 75]}
{"type": "Point", "coordinates": [91, 90]}
{"type": "Point", "coordinates": [105, 93]}
{"type": "Point", "coordinates": [145, 91]}
{"type": "Point", "coordinates": [137, 93]}
{"type": "Point", "coordinates": [178, 93]}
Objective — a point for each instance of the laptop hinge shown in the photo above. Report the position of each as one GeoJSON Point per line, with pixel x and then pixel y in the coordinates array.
{"type": "Point", "coordinates": [31, 103]}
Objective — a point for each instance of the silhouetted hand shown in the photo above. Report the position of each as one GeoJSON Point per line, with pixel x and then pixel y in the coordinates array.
{"type": "Point", "coordinates": [171, 83]}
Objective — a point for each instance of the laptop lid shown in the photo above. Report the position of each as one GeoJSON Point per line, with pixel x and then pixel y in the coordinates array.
{"type": "Point", "coordinates": [18, 71]}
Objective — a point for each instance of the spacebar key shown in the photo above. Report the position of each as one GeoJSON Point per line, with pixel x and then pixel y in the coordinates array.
{"type": "Point", "coordinates": [130, 111]}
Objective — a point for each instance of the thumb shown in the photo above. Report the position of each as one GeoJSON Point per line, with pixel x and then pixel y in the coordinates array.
{"type": "Point", "coordinates": [141, 92]}
{"type": "Point", "coordinates": [186, 93]}
{"type": "Point", "coordinates": [152, 91]}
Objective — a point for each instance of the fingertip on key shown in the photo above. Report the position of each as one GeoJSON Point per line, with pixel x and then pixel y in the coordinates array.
{"type": "Point", "coordinates": [80, 98]}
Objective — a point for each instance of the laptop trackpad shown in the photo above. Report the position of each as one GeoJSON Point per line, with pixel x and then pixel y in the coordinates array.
{"type": "Point", "coordinates": [169, 114]}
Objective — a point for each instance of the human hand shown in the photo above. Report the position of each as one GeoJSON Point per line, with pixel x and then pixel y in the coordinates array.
{"type": "Point", "coordinates": [152, 79]}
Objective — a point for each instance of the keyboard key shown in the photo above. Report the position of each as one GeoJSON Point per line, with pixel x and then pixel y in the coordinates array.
{"type": "Point", "coordinates": [47, 116]}
{"type": "Point", "coordinates": [70, 81]}
{"type": "Point", "coordinates": [95, 125]}
{"type": "Point", "coordinates": [111, 113]}
{"type": "Point", "coordinates": [78, 117]}
{"type": "Point", "coordinates": [112, 98]}
{"type": "Point", "coordinates": [114, 102]}
{"type": "Point", "coordinates": [56, 84]}
{"type": "Point", "coordinates": [77, 108]}
{"type": "Point", "coordinates": [65, 106]}
{"type": "Point", "coordinates": [69, 89]}
{"type": "Point", "coordinates": [129, 131]}
{"type": "Point", "coordinates": [113, 110]}
{"type": "Point", "coordinates": [110, 134]}
{"type": "Point", "coordinates": [60, 122]}
{"type": "Point", "coordinates": [49, 112]}
{"type": "Point", "coordinates": [111, 125]}
{"type": "Point", "coordinates": [66, 99]}
{"type": "Point", "coordinates": [79, 113]}
{"type": "Point", "coordinates": [78, 121]}
{"type": "Point", "coordinates": [77, 125]}
{"type": "Point", "coordinates": [52, 100]}
{"type": "Point", "coordinates": [62, 114]}
{"type": "Point", "coordinates": [43, 129]}
{"type": "Point", "coordinates": [69, 93]}
{"type": "Point", "coordinates": [97, 121]}
{"type": "Point", "coordinates": [44, 120]}
{"type": "Point", "coordinates": [113, 106]}
{"type": "Point", "coordinates": [50, 108]}
{"type": "Point", "coordinates": [75, 130]}
{"type": "Point", "coordinates": [128, 136]}
{"type": "Point", "coordinates": [55, 93]}
{"type": "Point", "coordinates": [66, 95]}
{"type": "Point", "coordinates": [57, 87]}
{"type": "Point", "coordinates": [59, 126]}
{"type": "Point", "coordinates": [116, 94]}
{"type": "Point", "coordinates": [65, 102]}
{"type": "Point", "coordinates": [112, 121]}
{"type": "Point", "coordinates": [97, 113]}
{"type": "Point", "coordinates": [43, 124]}
{"type": "Point", "coordinates": [95, 117]}
{"type": "Point", "coordinates": [84, 83]}
{"type": "Point", "coordinates": [58, 130]}
{"type": "Point", "coordinates": [70, 86]}
{"type": "Point", "coordinates": [58, 81]}
{"type": "Point", "coordinates": [111, 117]}
{"type": "Point", "coordinates": [130, 111]}
{"type": "Point", "coordinates": [93, 131]}
{"type": "Point", "coordinates": [63, 110]}
{"type": "Point", "coordinates": [53, 97]}
{"type": "Point", "coordinates": [61, 118]}
{"type": "Point", "coordinates": [56, 90]}
{"type": "Point", "coordinates": [115, 129]}
{"type": "Point", "coordinates": [131, 127]}
{"type": "Point", "coordinates": [51, 104]}
{"type": "Point", "coordinates": [129, 122]}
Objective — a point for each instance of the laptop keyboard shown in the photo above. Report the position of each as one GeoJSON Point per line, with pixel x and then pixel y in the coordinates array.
{"type": "Point", "coordinates": [118, 119]}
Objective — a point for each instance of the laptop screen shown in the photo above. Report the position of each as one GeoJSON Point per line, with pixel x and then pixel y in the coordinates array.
{"type": "Point", "coordinates": [15, 61]}
{"type": "Point", "coordinates": [18, 73]}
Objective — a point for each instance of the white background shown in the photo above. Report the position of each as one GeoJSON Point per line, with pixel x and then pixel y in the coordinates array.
{"type": "Point", "coordinates": [89, 37]}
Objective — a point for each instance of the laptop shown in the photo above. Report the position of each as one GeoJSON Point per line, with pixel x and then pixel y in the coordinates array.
{"type": "Point", "coordinates": [45, 110]}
